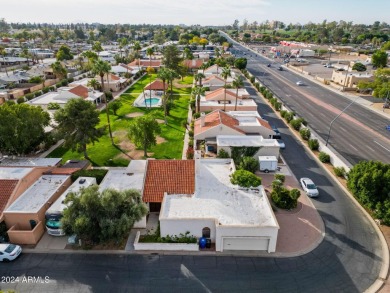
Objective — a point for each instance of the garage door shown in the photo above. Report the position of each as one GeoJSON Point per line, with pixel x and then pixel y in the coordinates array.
{"type": "Point", "coordinates": [245, 243]}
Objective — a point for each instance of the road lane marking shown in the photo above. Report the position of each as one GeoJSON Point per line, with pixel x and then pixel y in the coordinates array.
{"type": "Point", "coordinates": [382, 146]}
{"type": "Point", "coordinates": [370, 148]}
{"type": "Point", "coordinates": [353, 147]}
{"type": "Point", "coordinates": [342, 129]}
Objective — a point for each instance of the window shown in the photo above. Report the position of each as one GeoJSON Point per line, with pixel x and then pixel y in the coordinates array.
{"type": "Point", "coordinates": [206, 232]}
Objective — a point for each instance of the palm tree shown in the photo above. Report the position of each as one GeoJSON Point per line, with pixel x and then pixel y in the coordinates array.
{"type": "Point", "coordinates": [171, 75]}
{"type": "Point", "coordinates": [226, 72]}
{"type": "Point", "coordinates": [93, 83]}
{"type": "Point", "coordinates": [58, 70]}
{"type": "Point", "coordinates": [198, 77]}
{"type": "Point", "coordinates": [150, 53]}
{"type": "Point", "coordinates": [100, 68]}
{"type": "Point", "coordinates": [238, 83]}
{"type": "Point", "coordinates": [197, 92]}
{"type": "Point", "coordinates": [164, 75]}
{"type": "Point", "coordinates": [150, 71]}
{"type": "Point", "coordinates": [137, 48]}
{"type": "Point", "coordinates": [187, 53]}
{"type": "Point", "coordinates": [204, 66]}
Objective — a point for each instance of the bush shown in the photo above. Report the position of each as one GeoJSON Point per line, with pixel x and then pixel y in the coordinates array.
{"type": "Point", "coordinates": [252, 79]}
{"type": "Point", "coordinates": [280, 177]}
{"type": "Point", "coordinates": [289, 116]}
{"type": "Point", "coordinates": [20, 100]}
{"type": "Point", "coordinates": [45, 90]}
{"type": "Point", "coordinates": [313, 144]}
{"type": "Point", "coordinates": [58, 85]}
{"type": "Point", "coordinates": [273, 101]}
{"type": "Point", "coordinates": [190, 153]}
{"type": "Point", "coordinates": [29, 96]}
{"type": "Point", "coordinates": [192, 104]}
{"type": "Point", "coordinates": [70, 79]}
{"type": "Point", "coordinates": [339, 171]}
{"type": "Point", "coordinates": [191, 133]}
{"type": "Point", "coordinates": [108, 95]}
{"type": "Point", "coordinates": [245, 178]}
{"type": "Point", "coordinates": [52, 88]}
{"type": "Point", "coordinates": [278, 106]}
{"type": "Point", "coordinates": [303, 121]}
{"type": "Point", "coordinates": [296, 123]}
{"type": "Point", "coordinates": [64, 82]}
{"type": "Point", "coordinates": [38, 93]}
{"type": "Point", "coordinates": [97, 173]}
{"type": "Point", "coordinates": [191, 143]}
{"type": "Point", "coordinates": [324, 157]}
{"type": "Point", "coordinates": [283, 113]}
{"type": "Point", "coordinates": [3, 232]}
{"type": "Point", "coordinates": [222, 154]}
{"type": "Point", "coordinates": [285, 199]}
{"type": "Point", "coordinates": [305, 133]}
{"type": "Point", "coordinates": [249, 164]}
{"type": "Point", "coordinates": [196, 115]}
{"type": "Point", "coordinates": [53, 106]}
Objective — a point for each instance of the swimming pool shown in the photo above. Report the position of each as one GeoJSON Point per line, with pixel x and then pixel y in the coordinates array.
{"type": "Point", "coordinates": [154, 101]}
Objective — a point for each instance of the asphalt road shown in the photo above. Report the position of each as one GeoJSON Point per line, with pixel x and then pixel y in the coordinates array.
{"type": "Point", "coordinates": [358, 134]}
{"type": "Point", "coordinates": [348, 260]}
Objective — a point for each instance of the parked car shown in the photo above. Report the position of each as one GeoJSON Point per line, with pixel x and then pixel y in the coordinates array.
{"type": "Point", "coordinates": [268, 65]}
{"type": "Point", "coordinates": [299, 83]}
{"type": "Point", "coordinates": [9, 252]}
{"type": "Point", "coordinates": [309, 187]}
{"type": "Point", "coordinates": [281, 144]}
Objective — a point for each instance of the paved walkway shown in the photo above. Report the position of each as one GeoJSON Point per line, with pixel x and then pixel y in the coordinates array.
{"type": "Point", "coordinates": [186, 136]}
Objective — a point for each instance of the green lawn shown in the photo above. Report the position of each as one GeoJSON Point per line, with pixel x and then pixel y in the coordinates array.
{"type": "Point", "coordinates": [103, 153]}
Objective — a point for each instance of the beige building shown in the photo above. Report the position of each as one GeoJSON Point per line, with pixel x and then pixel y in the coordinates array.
{"type": "Point", "coordinates": [350, 79]}
{"type": "Point", "coordinates": [215, 100]}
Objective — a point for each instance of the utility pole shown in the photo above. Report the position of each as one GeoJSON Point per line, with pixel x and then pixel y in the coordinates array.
{"type": "Point", "coordinates": [331, 123]}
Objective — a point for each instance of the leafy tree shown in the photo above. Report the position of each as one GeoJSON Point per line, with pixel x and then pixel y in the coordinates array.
{"type": "Point", "coordinates": [77, 123]}
{"type": "Point", "coordinates": [64, 53]}
{"type": "Point", "coordinates": [249, 164]}
{"type": "Point", "coordinates": [58, 70]}
{"type": "Point", "coordinates": [359, 67]}
{"type": "Point", "coordinates": [171, 57]}
{"type": "Point", "coordinates": [187, 53]}
{"type": "Point", "coordinates": [222, 154]}
{"type": "Point", "coordinates": [91, 56]}
{"type": "Point", "coordinates": [226, 72]}
{"type": "Point", "coordinates": [115, 106]}
{"type": "Point", "coordinates": [238, 83]}
{"type": "Point", "coordinates": [237, 153]}
{"type": "Point", "coordinates": [99, 217]}
{"type": "Point", "coordinates": [97, 47]}
{"type": "Point", "coordinates": [245, 178]}
{"type": "Point", "coordinates": [379, 59]}
{"type": "Point", "coordinates": [282, 197]}
{"type": "Point", "coordinates": [21, 128]}
{"type": "Point", "coordinates": [386, 46]}
{"type": "Point", "coordinates": [143, 131]}
{"type": "Point", "coordinates": [100, 68]}
{"type": "Point", "coordinates": [369, 181]}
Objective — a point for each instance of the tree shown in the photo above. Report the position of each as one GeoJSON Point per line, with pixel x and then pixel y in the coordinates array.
{"type": "Point", "coordinates": [150, 53]}
{"type": "Point", "coordinates": [115, 106]}
{"type": "Point", "coordinates": [3, 53]}
{"type": "Point", "coordinates": [238, 83]}
{"type": "Point", "coordinates": [379, 59]}
{"type": "Point", "coordinates": [64, 53]}
{"type": "Point", "coordinates": [197, 92]}
{"type": "Point", "coordinates": [21, 128]}
{"type": "Point", "coordinates": [163, 74]}
{"type": "Point", "coordinates": [359, 67]}
{"type": "Point", "coordinates": [77, 123]}
{"type": "Point", "coordinates": [198, 77]}
{"type": "Point", "coordinates": [143, 131]}
{"type": "Point", "coordinates": [249, 164]}
{"type": "Point", "coordinates": [58, 70]}
{"type": "Point", "coordinates": [171, 57]}
{"type": "Point", "coordinates": [240, 63]}
{"type": "Point", "coordinates": [100, 68]}
{"type": "Point", "coordinates": [203, 42]}
{"type": "Point", "coordinates": [245, 178]}
{"type": "Point", "coordinates": [171, 75]}
{"type": "Point", "coordinates": [93, 83]}
{"type": "Point", "coordinates": [97, 47]}
{"type": "Point", "coordinates": [187, 53]}
{"type": "Point", "coordinates": [99, 217]}
{"type": "Point", "coordinates": [150, 71]}
{"type": "Point", "coordinates": [203, 67]}
{"type": "Point", "coordinates": [91, 56]}
{"type": "Point", "coordinates": [226, 72]}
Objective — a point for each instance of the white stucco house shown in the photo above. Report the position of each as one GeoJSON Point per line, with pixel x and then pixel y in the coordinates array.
{"type": "Point", "coordinates": [233, 218]}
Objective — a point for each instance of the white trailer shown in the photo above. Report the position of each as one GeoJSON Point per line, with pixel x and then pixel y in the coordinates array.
{"type": "Point", "coordinates": [268, 163]}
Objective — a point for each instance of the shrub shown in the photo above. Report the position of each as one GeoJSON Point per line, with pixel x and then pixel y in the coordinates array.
{"type": "Point", "coordinates": [289, 116]}
{"type": "Point", "coordinates": [245, 178]}
{"type": "Point", "coordinates": [285, 199]}
{"type": "Point", "coordinates": [53, 106]}
{"type": "Point", "coordinates": [45, 90]}
{"type": "Point", "coordinates": [305, 133]}
{"type": "Point", "coordinates": [29, 96]}
{"type": "Point", "coordinates": [192, 104]}
{"type": "Point", "coordinates": [273, 101]}
{"type": "Point", "coordinates": [280, 177]}
{"type": "Point", "coordinates": [339, 171]}
{"type": "Point", "coordinates": [196, 115]}
{"type": "Point", "coordinates": [190, 153]}
{"type": "Point", "coordinates": [313, 144]}
{"type": "Point", "coordinates": [64, 82]}
{"type": "Point", "coordinates": [296, 123]}
{"type": "Point", "coordinates": [303, 121]}
{"type": "Point", "coordinates": [37, 94]}
{"type": "Point", "coordinates": [249, 164]}
{"type": "Point", "coordinates": [324, 157]}
{"type": "Point", "coordinates": [97, 173]}
{"type": "Point", "coordinates": [191, 133]}
{"type": "Point", "coordinates": [52, 88]}
{"type": "Point", "coordinates": [58, 85]}
{"type": "Point", "coordinates": [278, 106]}
{"type": "Point", "coordinates": [222, 154]}
{"type": "Point", "coordinates": [252, 79]}
{"type": "Point", "coordinates": [191, 143]}
{"type": "Point", "coordinates": [20, 100]}
{"type": "Point", "coordinates": [70, 79]}
{"type": "Point", "coordinates": [108, 95]}
{"type": "Point", "coordinates": [283, 113]}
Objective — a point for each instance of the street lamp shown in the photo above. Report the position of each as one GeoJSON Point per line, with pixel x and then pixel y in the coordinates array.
{"type": "Point", "coordinates": [331, 122]}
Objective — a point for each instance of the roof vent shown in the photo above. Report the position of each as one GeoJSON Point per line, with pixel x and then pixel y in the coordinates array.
{"type": "Point", "coordinates": [82, 181]}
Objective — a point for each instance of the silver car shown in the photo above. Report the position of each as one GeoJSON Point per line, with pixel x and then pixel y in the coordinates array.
{"type": "Point", "coordinates": [9, 252]}
{"type": "Point", "coordinates": [309, 187]}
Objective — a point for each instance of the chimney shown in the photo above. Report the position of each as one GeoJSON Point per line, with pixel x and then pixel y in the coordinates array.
{"type": "Point", "coordinates": [202, 119]}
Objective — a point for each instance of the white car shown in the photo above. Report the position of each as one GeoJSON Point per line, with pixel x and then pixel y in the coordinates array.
{"type": "Point", "coordinates": [281, 144]}
{"type": "Point", "coordinates": [309, 187]}
{"type": "Point", "coordinates": [9, 252]}
{"type": "Point", "coordinates": [299, 83]}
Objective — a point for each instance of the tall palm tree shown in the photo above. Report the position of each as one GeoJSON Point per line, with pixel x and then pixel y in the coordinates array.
{"type": "Point", "coordinates": [93, 83]}
{"type": "Point", "coordinates": [198, 77]}
{"type": "Point", "coordinates": [150, 53]}
{"type": "Point", "coordinates": [164, 75]}
{"type": "Point", "coordinates": [150, 71]}
{"type": "Point", "coordinates": [238, 83]}
{"type": "Point", "coordinates": [137, 48]}
{"type": "Point", "coordinates": [100, 68]}
{"type": "Point", "coordinates": [171, 74]}
{"type": "Point", "coordinates": [226, 72]}
{"type": "Point", "coordinates": [197, 92]}
{"type": "Point", "coordinates": [204, 66]}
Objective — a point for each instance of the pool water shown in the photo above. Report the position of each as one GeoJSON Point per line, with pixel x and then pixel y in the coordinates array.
{"type": "Point", "coordinates": [154, 101]}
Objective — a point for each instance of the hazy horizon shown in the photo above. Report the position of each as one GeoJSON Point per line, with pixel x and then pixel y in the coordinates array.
{"type": "Point", "coordinates": [184, 12]}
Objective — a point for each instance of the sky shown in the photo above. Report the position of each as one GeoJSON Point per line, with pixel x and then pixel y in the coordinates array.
{"type": "Point", "coordinates": [190, 12]}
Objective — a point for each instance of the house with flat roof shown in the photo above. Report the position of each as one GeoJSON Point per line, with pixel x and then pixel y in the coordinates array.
{"type": "Point", "coordinates": [25, 217]}
{"type": "Point", "coordinates": [29, 162]}
{"type": "Point", "coordinates": [234, 218]}
{"type": "Point", "coordinates": [216, 99]}
{"type": "Point", "coordinates": [145, 63]}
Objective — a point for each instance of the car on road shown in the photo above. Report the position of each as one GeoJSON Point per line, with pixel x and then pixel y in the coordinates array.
{"type": "Point", "coordinates": [280, 68]}
{"type": "Point", "coordinates": [268, 65]}
{"type": "Point", "coordinates": [309, 187]}
{"type": "Point", "coordinates": [299, 83]}
{"type": "Point", "coordinates": [281, 144]}
{"type": "Point", "coordinates": [9, 252]}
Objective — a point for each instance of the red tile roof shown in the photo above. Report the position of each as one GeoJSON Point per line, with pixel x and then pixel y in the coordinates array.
{"type": "Point", "coordinates": [219, 95]}
{"type": "Point", "coordinates": [61, 171]}
{"type": "Point", "coordinates": [80, 91]}
{"type": "Point", "coordinates": [146, 63]}
{"type": "Point", "coordinates": [170, 176]}
{"type": "Point", "coordinates": [114, 77]}
{"type": "Point", "coordinates": [216, 118]}
{"type": "Point", "coordinates": [156, 85]}
{"type": "Point", "coordinates": [214, 77]}
{"type": "Point", "coordinates": [7, 187]}
{"type": "Point", "coordinates": [193, 64]}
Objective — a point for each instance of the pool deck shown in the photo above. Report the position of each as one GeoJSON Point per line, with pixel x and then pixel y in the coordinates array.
{"type": "Point", "coordinates": [140, 101]}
